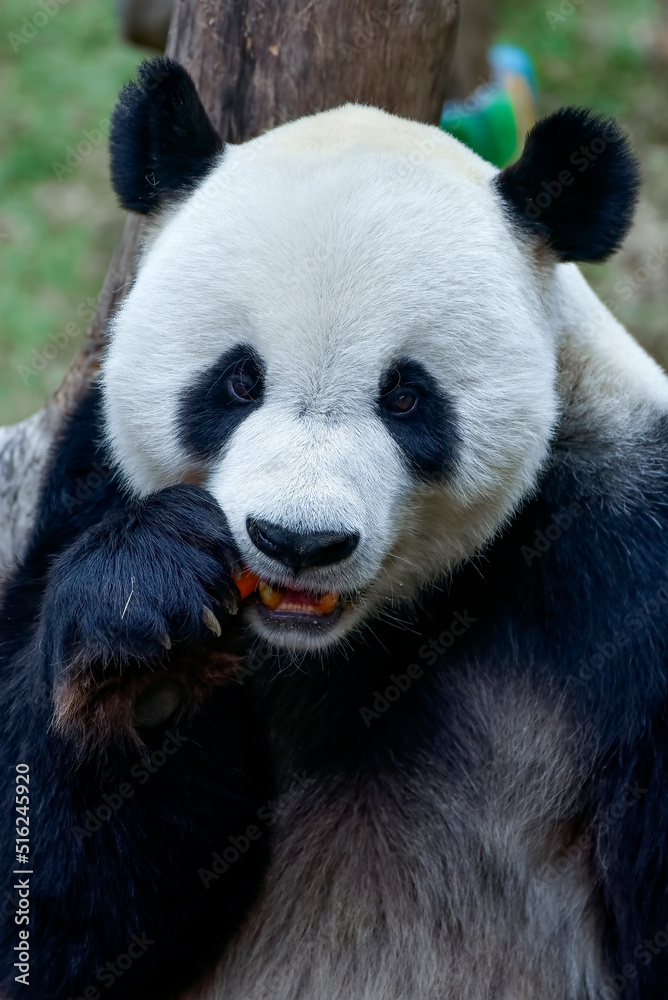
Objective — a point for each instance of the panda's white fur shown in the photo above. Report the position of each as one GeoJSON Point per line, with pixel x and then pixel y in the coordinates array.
{"type": "Point", "coordinates": [334, 245]}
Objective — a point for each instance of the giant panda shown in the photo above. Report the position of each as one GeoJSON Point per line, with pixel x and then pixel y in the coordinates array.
{"type": "Point", "coordinates": [426, 756]}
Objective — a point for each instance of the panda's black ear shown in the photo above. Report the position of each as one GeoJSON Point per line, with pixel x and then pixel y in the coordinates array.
{"type": "Point", "coordinates": [162, 141]}
{"type": "Point", "coordinates": [575, 185]}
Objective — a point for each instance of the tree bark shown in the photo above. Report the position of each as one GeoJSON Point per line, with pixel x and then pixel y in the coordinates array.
{"type": "Point", "coordinates": [256, 64]}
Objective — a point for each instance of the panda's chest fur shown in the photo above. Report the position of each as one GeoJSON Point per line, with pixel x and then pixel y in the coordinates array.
{"type": "Point", "coordinates": [428, 852]}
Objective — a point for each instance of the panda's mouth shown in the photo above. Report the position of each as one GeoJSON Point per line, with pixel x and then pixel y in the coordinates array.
{"type": "Point", "coordinates": [290, 606]}
{"type": "Point", "coordinates": [286, 601]}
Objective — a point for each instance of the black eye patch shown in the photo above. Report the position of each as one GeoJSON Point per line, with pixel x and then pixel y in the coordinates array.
{"type": "Point", "coordinates": [419, 417]}
{"type": "Point", "coordinates": [222, 396]}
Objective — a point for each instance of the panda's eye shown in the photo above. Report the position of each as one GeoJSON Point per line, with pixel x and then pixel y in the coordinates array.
{"type": "Point", "coordinates": [399, 397]}
{"type": "Point", "coordinates": [401, 401]}
{"type": "Point", "coordinates": [243, 387]}
{"type": "Point", "coordinates": [418, 415]}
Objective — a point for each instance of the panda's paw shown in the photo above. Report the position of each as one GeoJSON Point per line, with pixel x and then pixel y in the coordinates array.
{"type": "Point", "coordinates": [145, 579]}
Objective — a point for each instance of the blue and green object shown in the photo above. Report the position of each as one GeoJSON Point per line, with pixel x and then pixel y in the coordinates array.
{"type": "Point", "coordinates": [494, 120]}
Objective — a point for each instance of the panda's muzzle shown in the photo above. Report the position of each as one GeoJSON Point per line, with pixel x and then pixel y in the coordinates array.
{"type": "Point", "coordinates": [295, 605]}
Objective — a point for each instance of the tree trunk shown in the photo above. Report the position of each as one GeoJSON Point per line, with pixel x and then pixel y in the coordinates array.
{"type": "Point", "coordinates": [256, 63]}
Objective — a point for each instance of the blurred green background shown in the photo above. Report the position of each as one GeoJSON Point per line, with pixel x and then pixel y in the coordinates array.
{"type": "Point", "coordinates": [59, 221]}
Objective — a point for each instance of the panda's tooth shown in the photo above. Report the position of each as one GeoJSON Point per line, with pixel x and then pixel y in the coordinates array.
{"type": "Point", "coordinates": [211, 621]}
{"type": "Point", "coordinates": [326, 603]}
{"type": "Point", "coordinates": [287, 600]}
{"type": "Point", "coordinates": [269, 596]}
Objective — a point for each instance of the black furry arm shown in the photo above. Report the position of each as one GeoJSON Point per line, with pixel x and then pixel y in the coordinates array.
{"type": "Point", "coordinates": [592, 566]}
{"type": "Point", "coordinates": [137, 763]}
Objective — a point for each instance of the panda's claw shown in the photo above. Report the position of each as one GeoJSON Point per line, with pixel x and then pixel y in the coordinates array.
{"type": "Point", "coordinates": [211, 621]}
{"type": "Point", "coordinates": [166, 641]}
{"type": "Point", "coordinates": [228, 601]}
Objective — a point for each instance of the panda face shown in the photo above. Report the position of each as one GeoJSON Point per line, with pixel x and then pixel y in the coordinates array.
{"type": "Point", "coordinates": [340, 337]}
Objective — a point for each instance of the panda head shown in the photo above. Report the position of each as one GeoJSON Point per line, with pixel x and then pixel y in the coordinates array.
{"type": "Point", "coordinates": [342, 330]}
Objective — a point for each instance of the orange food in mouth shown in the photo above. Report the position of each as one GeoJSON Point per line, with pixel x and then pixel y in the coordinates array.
{"type": "Point", "coordinates": [284, 598]}
{"type": "Point", "coordinates": [246, 582]}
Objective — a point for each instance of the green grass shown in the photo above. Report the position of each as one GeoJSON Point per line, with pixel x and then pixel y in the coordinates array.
{"type": "Point", "coordinates": [57, 235]}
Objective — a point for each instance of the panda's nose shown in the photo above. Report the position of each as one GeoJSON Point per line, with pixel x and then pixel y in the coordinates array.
{"type": "Point", "coordinates": [317, 548]}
